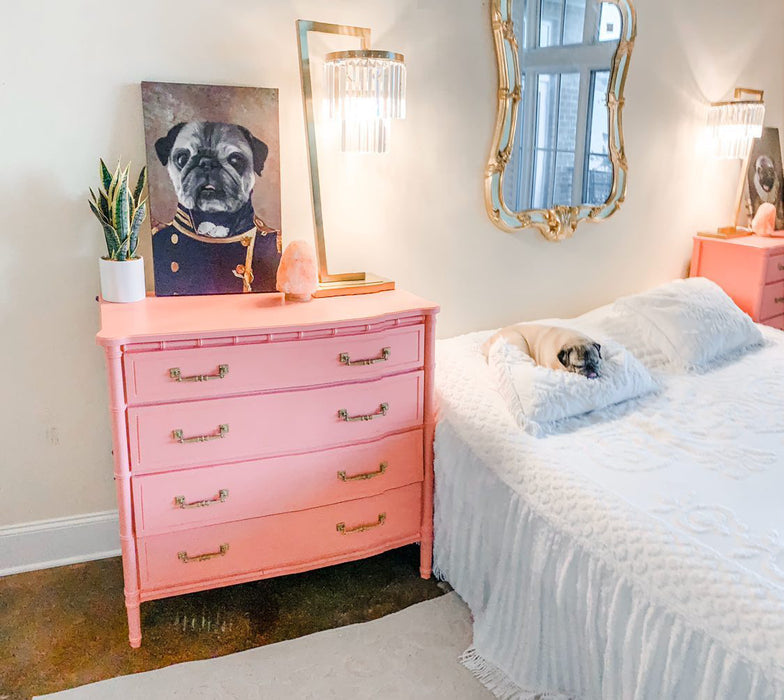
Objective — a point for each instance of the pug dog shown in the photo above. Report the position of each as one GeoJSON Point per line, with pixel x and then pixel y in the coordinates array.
{"type": "Point", "coordinates": [213, 167]}
{"type": "Point", "coordinates": [552, 347]}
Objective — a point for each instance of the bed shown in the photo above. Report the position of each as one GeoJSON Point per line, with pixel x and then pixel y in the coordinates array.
{"type": "Point", "coordinates": [638, 554]}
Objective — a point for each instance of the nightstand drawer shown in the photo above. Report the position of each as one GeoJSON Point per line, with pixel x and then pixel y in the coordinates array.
{"type": "Point", "coordinates": [175, 436]}
{"type": "Point", "coordinates": [209, 495]}
{"type": "Point", "coordinates": [772, 300]}
{"type": "Point", "coordinates": [774, 271]}
{"type": "Point", "coordinates": [195, 373]}
{"type": "Point", "coordinates": [273, 544]}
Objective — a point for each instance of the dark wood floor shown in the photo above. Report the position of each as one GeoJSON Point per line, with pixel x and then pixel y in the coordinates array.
{"type": "Point", "coordinates": [64, 627]}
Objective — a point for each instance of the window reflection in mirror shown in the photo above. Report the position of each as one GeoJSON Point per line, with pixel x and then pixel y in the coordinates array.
{"type": "Point", "coordinates": [560, 154]}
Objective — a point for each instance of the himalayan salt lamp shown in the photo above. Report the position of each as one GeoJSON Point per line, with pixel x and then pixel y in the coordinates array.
{"type": "Point", "coordinates": [297, 276]}
{"type": "Point", "coordinates": [764, 221]}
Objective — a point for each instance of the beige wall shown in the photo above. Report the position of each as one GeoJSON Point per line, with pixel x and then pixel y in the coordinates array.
{"type": "Point", "coordinates": [69, 92]}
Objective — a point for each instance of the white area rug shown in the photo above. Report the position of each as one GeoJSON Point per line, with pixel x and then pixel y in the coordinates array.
{"type": "Point", "coordinates": [409, 654]}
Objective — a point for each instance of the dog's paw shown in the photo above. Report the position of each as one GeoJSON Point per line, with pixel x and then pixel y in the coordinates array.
{"type": "Point", "coordinates": [207, 228]}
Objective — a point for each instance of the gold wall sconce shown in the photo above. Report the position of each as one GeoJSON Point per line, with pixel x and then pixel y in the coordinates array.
{"type": "Point", "coordinates": [366, 90]}
{"type": "Point", "coordinates": [734, 125]}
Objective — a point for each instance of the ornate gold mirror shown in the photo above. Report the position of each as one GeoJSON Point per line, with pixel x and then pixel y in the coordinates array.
{"type": "Point", "coordinates": [557, 156]}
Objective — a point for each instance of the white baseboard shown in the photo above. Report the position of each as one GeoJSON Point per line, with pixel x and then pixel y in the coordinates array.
{"type": "Point", "coordinates": [46, 543]}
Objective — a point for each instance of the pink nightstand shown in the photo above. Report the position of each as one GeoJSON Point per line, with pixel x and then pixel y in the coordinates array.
{"type": "Point", "coordinates": [749, 269]}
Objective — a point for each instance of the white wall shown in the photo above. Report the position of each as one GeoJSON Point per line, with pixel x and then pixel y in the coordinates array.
{"type": "Point", "coordinates": [69, 92]}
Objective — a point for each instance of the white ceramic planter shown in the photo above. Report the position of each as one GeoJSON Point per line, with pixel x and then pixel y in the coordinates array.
{"type": "Point", "coordinates": [122, 281]}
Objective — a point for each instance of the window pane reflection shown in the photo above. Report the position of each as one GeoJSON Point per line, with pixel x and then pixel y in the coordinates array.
{"type": "Point", "coordinates": [598, 178]}
{"type": "Point", "coordinates": [609, 22]}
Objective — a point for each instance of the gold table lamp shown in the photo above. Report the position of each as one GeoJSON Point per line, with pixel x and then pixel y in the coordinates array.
{"type": "Point", "coordinates": [734, 125]}
{"type": "Point", "coordinates": [365, 90]}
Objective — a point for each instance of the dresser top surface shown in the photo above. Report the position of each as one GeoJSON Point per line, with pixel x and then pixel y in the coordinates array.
{"type": "Point", "coordinates": [751, 241]}
{"type": "Point", "coordinates": [189, 316]}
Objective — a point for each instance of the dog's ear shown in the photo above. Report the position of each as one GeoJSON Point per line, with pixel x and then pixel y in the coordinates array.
{"type": "Point", "coordinates": [164, 145]}
{"type": "Point", "coordinates": [598, 350]}
{"type": "Point", "coordinates": [259, 148]}
{"type": "Point", "coordinates": [563, 356]}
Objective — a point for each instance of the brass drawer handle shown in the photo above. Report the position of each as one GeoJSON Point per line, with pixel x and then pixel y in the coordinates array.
{"type": "Point", "coordinates": [345, 358]}
{"type": "Point", "coordinates": [185, 558]}
{"type": "Point", "coordinates": [366, 475]}
{"type": "Point", "coordinates": [343, 530]}
{"type": "Point", "coordinates": [176, 375]}
{"type": "Point", "coordinates": [781, 267]}
{"type": "Point", "coordinates": [778, 300]}
{"type": "Point", "coordinates": [382, 411]}
{"type": "Point", "coordinates": [223, 494]}
{"type": "Point", "coordinates": [223, 429]}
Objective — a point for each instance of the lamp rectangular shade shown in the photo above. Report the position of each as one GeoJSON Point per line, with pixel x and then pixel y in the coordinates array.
{"type": "Point", "coordinates": [733, 126]}
{"type": "Point", "coordinates": [365, 91]}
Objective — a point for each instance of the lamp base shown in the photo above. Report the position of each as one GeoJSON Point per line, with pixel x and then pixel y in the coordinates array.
{"type": "Point", "coordinates": [728, 232]}
{"type": "Point", "coordinates": [369, 285]}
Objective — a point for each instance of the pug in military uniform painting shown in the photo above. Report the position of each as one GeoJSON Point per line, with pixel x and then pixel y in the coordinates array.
{"type": "Point", "coordinates": [215, 244]}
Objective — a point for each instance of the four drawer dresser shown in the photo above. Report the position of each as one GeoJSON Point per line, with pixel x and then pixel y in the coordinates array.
{"type": "Point", "coordinates": [255, 437]}
{"type": "Point", "coordinates": [750, 269]}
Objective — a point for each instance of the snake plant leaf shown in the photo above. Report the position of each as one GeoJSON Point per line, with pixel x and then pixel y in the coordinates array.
{"type": "Point", "coordinates": [137, 193]}
{"type": "Point", "coordinates": [113, 185]}
{"type": "Point", "coordinates": [121, 211]}
{"type": "Point", "coordinates": [122, 251]}
{"type": "Point", "coordinates": [98, 214]}
{"type": "Point", "coordinates": [138, 217]}
{"type": "Point", "coordinates": [112, 241]}
{"type": "Point", "coordinates": [105, 175]}
{"type": "Point", "coordinates": [103, 204]}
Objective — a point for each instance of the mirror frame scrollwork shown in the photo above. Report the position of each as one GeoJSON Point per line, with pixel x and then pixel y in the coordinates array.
{"type": "Point", "coordinates": [561, 221]}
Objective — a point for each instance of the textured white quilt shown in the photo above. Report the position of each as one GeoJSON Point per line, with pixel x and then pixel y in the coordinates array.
{"type": "Point", "coordinates": [640, 554]}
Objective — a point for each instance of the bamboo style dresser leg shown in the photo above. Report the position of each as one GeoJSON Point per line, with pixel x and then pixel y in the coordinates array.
{"type": "Point", "coordinates": [122, 479]}
{"type": "Point", "coordinates": [426, 536]}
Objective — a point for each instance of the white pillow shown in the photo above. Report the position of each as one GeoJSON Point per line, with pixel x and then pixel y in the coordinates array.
{"type": "Point", "coordinates": [540, 398]}
{"type": "Point", "coordinates": [684, 325]}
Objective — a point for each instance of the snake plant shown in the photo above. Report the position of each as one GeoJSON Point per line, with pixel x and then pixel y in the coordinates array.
{"type": "Point", "coordinates": [120, 210]}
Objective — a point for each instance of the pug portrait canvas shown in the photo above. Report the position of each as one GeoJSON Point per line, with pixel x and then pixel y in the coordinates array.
{"type": "Point", "coordinates": [213, 157]}
{"type": "Point", "coordinates": [765, 177]}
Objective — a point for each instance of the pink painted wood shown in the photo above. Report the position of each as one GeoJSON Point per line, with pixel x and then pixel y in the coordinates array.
{"type": "Point", "coordinates": [261, 425]}
{"type": "Point", "coordinates": [749, 269]}
{"type": "Point", "coordinates": [266, 417]}
{"type": "Point", "coordinates": [287, 364]}
{"type": "Point", "coordinates": [277, 485]}
{"type": "Point", "coordinates": [288, 539]}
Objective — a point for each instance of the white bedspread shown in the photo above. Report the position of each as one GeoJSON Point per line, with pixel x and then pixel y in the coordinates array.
{"type": "Point", "coordinates": [655, 528]}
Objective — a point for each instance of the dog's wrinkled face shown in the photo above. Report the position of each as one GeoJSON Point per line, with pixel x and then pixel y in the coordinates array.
{"type": "Point", "coordinates": [213, 166]}
{"type": "Point", "coordinates": [585, 359]}
{"type": "Point", "coordinates": [766, 173]}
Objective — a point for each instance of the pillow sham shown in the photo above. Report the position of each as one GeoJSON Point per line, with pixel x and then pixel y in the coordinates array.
{"type": "Point", "coordinates": [685, 325]}
{"type": "Point", "coordinates": [541, 399]}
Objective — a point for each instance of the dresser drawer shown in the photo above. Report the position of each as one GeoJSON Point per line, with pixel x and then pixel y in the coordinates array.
{"type": "Point", "coordinates": [774, 271]}
{"type": "Point", "coordinates": [772, 300]}
{"type": "Point", "coordinates": [212, 431]}
{"type": "Point", "coordinates": [775, 322]}
{"type": "Point", "coordinates": [209, 495]}
{"type": "Point", "coordinates": [266, 545]}
{"type": "Point", "coordinates": [177, 375]}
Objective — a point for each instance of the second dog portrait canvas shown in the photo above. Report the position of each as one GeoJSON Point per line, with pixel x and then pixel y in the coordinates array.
{"type": "Point", "coordinates": [213, 156]}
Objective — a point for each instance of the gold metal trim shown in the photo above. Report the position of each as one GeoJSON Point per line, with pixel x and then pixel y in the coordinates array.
{"type": "Point", "coordinates": [561, 221]}
{"type": "Point", "coordinates": [382, 411]}
{"type": "Point", "coordinates": [185, 558]}
{"type": "Point", "coordinates": [176, 375]}
{"type": "Point", "coordinates": [345, 358]}
{"type": "Point", "coordinates": [365, 475]}
{"type": "Point", "coordinates": [364, 53]}
{"type": "Point", "coordinates": [223, 430]}
{"type": "Point", "coordinates": [343, 530]}
{"type": "Point", "coordinates": [223, 494]}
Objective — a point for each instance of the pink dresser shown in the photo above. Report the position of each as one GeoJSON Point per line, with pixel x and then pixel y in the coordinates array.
{"type": "Point", "coordinates": [750, 269]}
{"type": "Point", "coordinates": [254, 438]}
